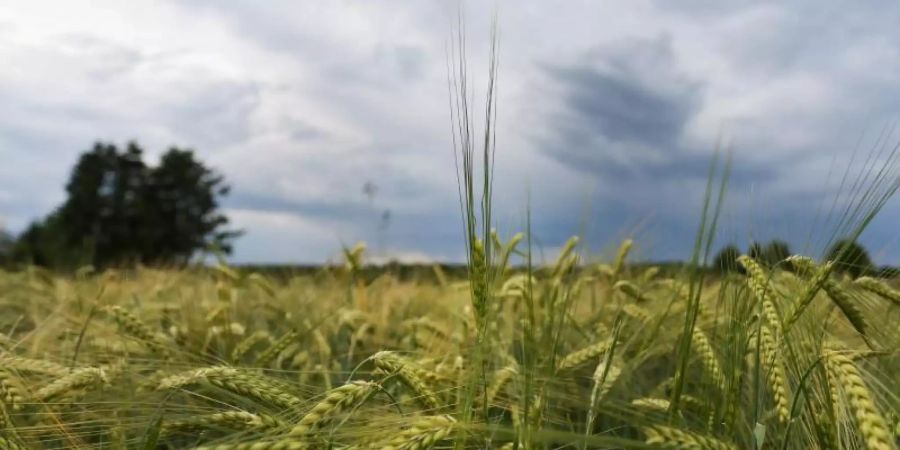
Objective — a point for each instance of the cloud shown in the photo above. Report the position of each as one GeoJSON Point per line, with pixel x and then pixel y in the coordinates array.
{"type": "Point", "coordinates": [609, 113]}
{"type": "Point", "coordinates": [623, 110]}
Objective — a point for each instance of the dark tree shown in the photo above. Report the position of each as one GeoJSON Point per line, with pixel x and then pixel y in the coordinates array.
{"type": "Point", "coordinates": [755, 251]}
{"type": "Point", "coordinates": [726, 259]}
{"type": "Point", "coordinates": [121, 211]}
{"type": "Point", "coordinates": [6, 246]}
{"type": "Point", "coordinates": [888, 272]}
{"type": "Point", "coordinates": [103, 211]}
{"type": "Point", "coordinates": [850, 257]}
{"type": "Point", "coordinates": [44, 243]}
{"type": "Point", "coordinates": [775, 252]}
{"type": "Point", "coordinates": [182, 198]}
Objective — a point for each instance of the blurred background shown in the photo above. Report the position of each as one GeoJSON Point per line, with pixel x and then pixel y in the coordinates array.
{"type": "Point", "coordinates": [123, 123]}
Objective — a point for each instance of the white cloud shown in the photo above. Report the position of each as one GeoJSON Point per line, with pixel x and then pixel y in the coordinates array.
{"type": "Point", "coordinates": [277, 237]}
{"type": "Point", "coordinates": [300, 103]}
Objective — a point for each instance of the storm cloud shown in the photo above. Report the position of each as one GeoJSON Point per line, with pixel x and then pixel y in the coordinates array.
{"type": "Point", "coordinates": [610, 114]}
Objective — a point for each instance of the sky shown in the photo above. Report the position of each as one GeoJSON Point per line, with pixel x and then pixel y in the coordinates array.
{"type": "Point", "coordinates": [609, 114]}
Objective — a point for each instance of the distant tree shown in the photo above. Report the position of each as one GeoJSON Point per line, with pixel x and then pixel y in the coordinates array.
{"type": "Point", "coordinates": [775, 252]}
{"type": "Point", "coordinates": [755, 251]}
{"type": "Point", "coordinates": [888, 272]}
{"type": "Point", "coordinates": [850, 257]}
{"type": "Point", "coordinates": [104, 207]}
{"type": "Point", "coordinates": [6, 246]}
{"type": "Point", "coordinates": [726, 259]}
{"type": "Point", "coordinates": [119, 210]}
{"type": "Point", "coordinates": [44, 243]}
{"type": "Point", "coordinates": [182, 201]}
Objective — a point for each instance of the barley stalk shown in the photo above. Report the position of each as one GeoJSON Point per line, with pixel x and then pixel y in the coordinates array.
{"type": "Point", "coordinates": [584, 355]}
{"type": "Point", "coordinates": [10, 444]}
{"type": "Point", "coordinates": [80, 378]}
{"type": "Point", "coordinates": [236, 420]}
{"type": "Point", "coordinates": [335, 402]}
{"type": "Point", "coordinates": [651, 403]}
{"type": "Point", "coordinates": [708, 357]}
{"type": "Point", "coordinates": [428, 325]}
{"type": "Point", "coordinates": [283, 444]}
{"type": "Point", "coordinates": [621, 255]}
{"type": "Point", "coordinates": [10, 393]}
{"type": "Point", "coordinates": [501, 378]}
{"type": "Point", "coordinates": [134, 327]}
{"type": "Point", "coordinates": [22, 364]}
{"type": "Point", "coordinates": [673, 438]}
{"type": "Point", "coordinates": [826, 432]}
{"type": "Point", "coordinates": [479, 280]}
{"type": "Point", "coordinates": [247, 343]}
{"type": "Point", "coordinates": [628, 288]}
{"type": "Point", "coordinates": [776, 374]}
{"type": "Point", "coordinates": [422, 434]}
{"type": "Point", "coordinates": [846, 379]}
{"type": "Point", "coordinates": [880, 288]}
{"type": "Point", "coordinates": [275, 349]}
{"type": "Point", "coordinates": [605, 375]}
{"type": "Point", "coordinates": [408, 375]}
{"type": "Point", "coordinates": [760, 283]}
{"type": "Point", "coordinates": [819, 276]}
{"type": "Point", "coordinates": [841, 297]}
{"type": "Point", "coordinates": [245, 384]}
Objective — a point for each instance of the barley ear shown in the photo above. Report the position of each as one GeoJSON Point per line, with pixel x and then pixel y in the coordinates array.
{"type": "Point", "coordinates": [708, 357]}
{"type": "Point", "coordinates": [760, 283]}
{"type": "Point", "coordinates": [335, 402]}
{"type": "Point", "coordinates": [847, 304]}
{"type": "Point", "coordinates": [879, 288]}
{"type": "Point", "coordinates": [819, 275]}
{"type": "Point", "coordinates": [673, 438]}
{"type": "Point", "coordinates": [423, 434]}
{"type": "Point", "coordinates": [80, 378]}
{"type": "Point", "coordinates": [846, 379]}
{"type": "Point", "coordinates": [131, 325]}
{"type": "Point", "coordinates": [621, 256]}
{"type": "Point", "coordinates": [410, 376]}
{"type": "Point", "coordinates": [269, 354]}
{"type": "Point", "coordinates": [581, 357]}
{"type": "Point", "coordinates": [776, 374]}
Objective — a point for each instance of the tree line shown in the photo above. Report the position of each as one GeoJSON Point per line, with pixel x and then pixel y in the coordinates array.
{"type": "Point", "coordinates": [119, 211]}
{"type": "Point", "coordinates": [849, 257]}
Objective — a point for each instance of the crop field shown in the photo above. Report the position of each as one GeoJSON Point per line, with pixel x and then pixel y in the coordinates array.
{"type": "Point", "coordinates": [571, 355]}
{"type": "Point", "coordinates": [574, 352]}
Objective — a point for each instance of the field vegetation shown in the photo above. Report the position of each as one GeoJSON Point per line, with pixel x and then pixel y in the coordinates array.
{"type": "Point", "coordinates": [573, 355]}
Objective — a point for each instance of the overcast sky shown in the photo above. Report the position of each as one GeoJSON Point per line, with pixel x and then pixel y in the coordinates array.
{"type": "Point", "coordinates": [609, 114]}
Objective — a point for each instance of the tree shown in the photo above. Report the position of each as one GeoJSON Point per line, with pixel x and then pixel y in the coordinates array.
{"type": "Point", "coordinates": [775, 252]}
{"type": "Point", "coordinates": [104, 207]}
{"type": "Point", "coordinates": [183, 199]}
{"type": "Point", "coordinates": [755, 251]}
{"type": "Point", "coordinates": [44, 243]}
{"type": "Point", "coordinates": [118, 210]}
{"type": "Point", "coordinates": [726, 259]}
{"type": "Point", "coordinates": [6, 246]}
{"type": "Point", "coordinates": [850, 257]}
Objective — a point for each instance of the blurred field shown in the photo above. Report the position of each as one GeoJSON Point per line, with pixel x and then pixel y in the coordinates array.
{"type": "Point", "coordinates": [574, 356]}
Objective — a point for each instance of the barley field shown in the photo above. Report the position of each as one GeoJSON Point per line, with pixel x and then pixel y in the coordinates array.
{"type": "Point", "coordinates": [571, 355]}
{"type": "Point", "coordinates": [576, 353]}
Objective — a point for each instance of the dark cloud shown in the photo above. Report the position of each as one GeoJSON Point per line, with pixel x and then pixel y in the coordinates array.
{"type": "Point", "coordinates": [617, 114]}
{"type": "Point", "coordinates": [322, 209]}
{"type": "Point", "coordinates": [213, 114]}
{"type": "Point", "coordinates": [298, 104]}
{"type": "Point", "coordinates": [622, 108]}
{"type": "Point", "coordinates": [623, 113]}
